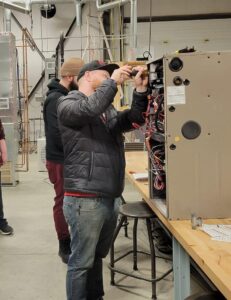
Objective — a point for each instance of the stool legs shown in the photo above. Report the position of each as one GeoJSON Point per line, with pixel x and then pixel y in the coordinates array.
{"type": "Point", "coordinates": [126, 227]}
{"type": "Point", "coordinates": [135, 244]}
{"type": "Point", "coordinates": [125, 224]}
{"type": "Point", "coordinates": [112, 251]}
{"type": "Point", "coordinates": [153, 256]}
{"type": "Point", "coordinates": [136, 211]}
{"type": "Point", "coordinates": [152, 251]}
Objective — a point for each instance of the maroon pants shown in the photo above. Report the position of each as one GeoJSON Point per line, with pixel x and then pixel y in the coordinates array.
{"type": "Point", "coordinates": [55, 172]}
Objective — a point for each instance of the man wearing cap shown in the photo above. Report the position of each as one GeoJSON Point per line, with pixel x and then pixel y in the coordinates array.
{"type": "Point", "coordinates": [94, 167]}
{"type": "Point", "coordinates": [54, 149]}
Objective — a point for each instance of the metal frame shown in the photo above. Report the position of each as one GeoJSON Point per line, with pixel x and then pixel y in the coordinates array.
{"type": "Point", "coordinates": [181, 271]}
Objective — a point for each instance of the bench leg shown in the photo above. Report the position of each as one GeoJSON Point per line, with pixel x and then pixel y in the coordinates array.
{"type": "Point", "coordinates": [153, 257]}
{"type": "Point", "coordinates": [181, 269]}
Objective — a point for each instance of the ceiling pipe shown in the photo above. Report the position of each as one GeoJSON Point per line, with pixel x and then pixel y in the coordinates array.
{"type": "Point", "coordinates": [106, 6]}
{"type": "Point", "coordinates": [169, 18]}
{"type": "Point", "coordinates": [7, 16]}
{"type": "Point", "coordinates": [12, 6]}
{"type": "Point", "coordinates": [133, 24]}
{"type": "Point", "coordinates": [44, 1]}
{"type": "Point", "coordinates": [27, 4]}
{"type": "Point", "coordinates": [79, 4]}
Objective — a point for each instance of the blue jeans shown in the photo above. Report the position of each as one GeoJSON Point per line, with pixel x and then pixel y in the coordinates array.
{"type": "Point", "coordinates": [92, 223]}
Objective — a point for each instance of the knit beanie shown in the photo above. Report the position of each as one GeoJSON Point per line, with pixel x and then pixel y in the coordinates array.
{"type": "Point", "coordinates": [71, 67]}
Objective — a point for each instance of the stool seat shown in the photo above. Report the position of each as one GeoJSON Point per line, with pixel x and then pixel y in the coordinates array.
{"type": "Point", "coordinates": [136, 209]}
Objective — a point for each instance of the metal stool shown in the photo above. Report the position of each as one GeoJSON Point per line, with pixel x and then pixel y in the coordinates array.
{"type": "Point", "coordinates": [136, 210]}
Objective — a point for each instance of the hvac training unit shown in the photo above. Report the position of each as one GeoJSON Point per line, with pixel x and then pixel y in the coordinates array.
{"type": "Point", "coordinates": [188, 134]}
{"type": "Point", "coordinates": [8, 105]}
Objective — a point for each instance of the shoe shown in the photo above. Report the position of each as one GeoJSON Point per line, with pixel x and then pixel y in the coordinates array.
{"type": "Point", "coordinates": [64, 250]}
{"type": "Point", "coordinates": [162, 242]}
{"type": "Point", "coordinates": [164, 247]}
{"type": "Point", "coordinates": [6, 229]}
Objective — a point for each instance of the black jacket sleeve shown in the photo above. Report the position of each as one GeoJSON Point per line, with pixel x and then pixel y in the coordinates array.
{"type": "Point", "coordinates": [50, 118]}
{"type": "Point", "coordinates": [125, 120]}
{"type": "Point", "coordinates": [76, 109]}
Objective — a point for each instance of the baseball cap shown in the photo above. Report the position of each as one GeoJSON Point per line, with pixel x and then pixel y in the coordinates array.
{"type": "Point", "coordinates": [71, 67]}
{"type": "Point", "coordinates": [97, 65]}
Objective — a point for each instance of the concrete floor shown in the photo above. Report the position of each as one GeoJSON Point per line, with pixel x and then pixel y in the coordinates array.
{"type": "Point", "coordinates": [30, 268]}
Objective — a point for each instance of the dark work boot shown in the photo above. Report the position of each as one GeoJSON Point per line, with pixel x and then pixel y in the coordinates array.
{"type": "Point", "coordinates": [64, 250]}
{"type": "Point", "coordinates": [6, 229]}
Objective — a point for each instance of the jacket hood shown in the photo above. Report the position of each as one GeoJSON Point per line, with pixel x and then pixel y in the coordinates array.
{"type": "Point", "coordinates": [55, 86]}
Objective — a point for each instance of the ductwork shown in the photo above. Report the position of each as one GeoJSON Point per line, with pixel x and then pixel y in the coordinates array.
{"type": "Point", "coordinates": [78, 3]}
{"type": "Point", "coordinates": [133, 25]}
{"type": "Point", "coordinates": [12, 6]}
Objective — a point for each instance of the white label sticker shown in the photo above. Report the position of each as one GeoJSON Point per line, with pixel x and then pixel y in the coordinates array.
{"type": "Point", "coordinates": [4, 103]}
{"type": "Point", "coordinates": [175, 95]}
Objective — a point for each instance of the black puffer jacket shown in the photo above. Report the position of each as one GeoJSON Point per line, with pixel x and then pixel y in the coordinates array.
{"type": "Point", "coordinates": [54, 147]}
{"type": "Point", "coordinates": [91, 131]}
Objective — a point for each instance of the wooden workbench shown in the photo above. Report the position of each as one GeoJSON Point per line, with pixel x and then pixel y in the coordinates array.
{"type": "Point", "coordinates": [214, 258]}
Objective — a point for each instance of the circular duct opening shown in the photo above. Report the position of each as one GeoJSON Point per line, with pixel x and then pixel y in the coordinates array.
{"type": "Point", "coordinates": [48, 11]}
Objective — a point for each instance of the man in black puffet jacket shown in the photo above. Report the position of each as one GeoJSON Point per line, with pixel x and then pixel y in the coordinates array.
{"type": "Point", "coordinates": [94, 168]}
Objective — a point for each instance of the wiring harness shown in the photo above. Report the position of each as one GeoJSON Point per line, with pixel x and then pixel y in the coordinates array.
{"type": "Point", "coordinates": [154, 133]}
